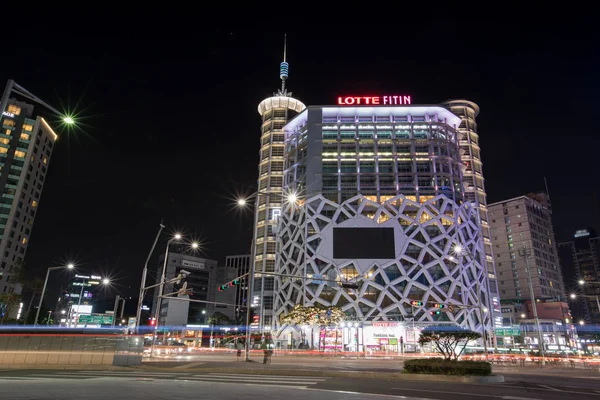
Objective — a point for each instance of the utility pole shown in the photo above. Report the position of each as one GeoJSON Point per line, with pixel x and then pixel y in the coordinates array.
{"type": "Point", "coordinates": [526, 253]}
{"type": "Point", "coordinates": [115, 310]}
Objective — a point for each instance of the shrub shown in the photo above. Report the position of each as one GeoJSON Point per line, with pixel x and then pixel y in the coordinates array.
{"type": "Point", "coordinates": [447, 367]}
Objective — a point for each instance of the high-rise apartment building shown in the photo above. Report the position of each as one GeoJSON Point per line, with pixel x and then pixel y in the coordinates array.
{"type": "Point", "coordinates": [26, 144]}
{"type": "Point", "coordinates": [580, 263]}
{"type": "Point", "coordinates": [382, 206]}
{"type": "Point", "coordinates": [275, 111]}
{"type": "Point", "coordinates": [525, 221]}
{"type": "Point", "coordinates": [241, 264]}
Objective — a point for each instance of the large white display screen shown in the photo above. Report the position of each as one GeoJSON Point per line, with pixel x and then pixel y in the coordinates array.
{"type": "Point", "coordinates": [364, 243]}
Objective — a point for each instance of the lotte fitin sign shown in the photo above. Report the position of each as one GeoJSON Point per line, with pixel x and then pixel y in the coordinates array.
{"type": "Point", "coordinates": [373, 100]}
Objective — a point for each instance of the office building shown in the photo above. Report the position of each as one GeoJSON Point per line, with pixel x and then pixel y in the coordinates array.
{"type": "Point", "coordinates": [382, 206]}
{"type": "Point", "coordinates": [26, 144]}
{"type": "Point", "coordinates": [275, 112]}
{"type": "Point", "coordinates": [580, 263]}
{"type": "Point", "coordinates": [525, 221]}
{"type": "Point", "coordinates": [76, 299]}
{"type": "Point", "coordinates": [241, 265]}
{"type": "Point", "coordinates": [203, 282]}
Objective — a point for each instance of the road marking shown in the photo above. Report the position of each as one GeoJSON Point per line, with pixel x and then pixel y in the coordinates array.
{"type": "Point", "coordinates": [467, 394]}
{"type": "Point", "coordinates": [270, 377]}
{"type": "Point", "coordinates": [250, 379]}
{"type": "Point", "coordinates": [516, 398]}
{"type": "Point", "coordinates": [190, 365]}
{"type": "Point", "coordinates": [550, 388]}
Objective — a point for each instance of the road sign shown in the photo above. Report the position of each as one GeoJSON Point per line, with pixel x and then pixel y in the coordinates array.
{"type": "Point", "coordinates": [96, 319]}
{"type": "Point", "coordinates": [508, 332]}
{"type": "Point", "coordinates": [131, 322]}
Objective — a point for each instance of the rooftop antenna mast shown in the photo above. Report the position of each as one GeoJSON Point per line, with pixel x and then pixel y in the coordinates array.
{"type": "Point", "coordinates": [284, 67]}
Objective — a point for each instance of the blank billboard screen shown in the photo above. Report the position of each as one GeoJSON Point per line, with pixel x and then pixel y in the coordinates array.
{"type": "Point", "coordinates": [364, 243]}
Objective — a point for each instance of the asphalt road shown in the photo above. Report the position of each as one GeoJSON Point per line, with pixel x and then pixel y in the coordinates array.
{"type": "Point", "coordinates": [92, 385]}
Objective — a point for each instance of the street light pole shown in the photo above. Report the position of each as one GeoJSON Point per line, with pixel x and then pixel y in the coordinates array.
{"type": "Point", "coordinates": [138, 314]}
{"type": "Point", "coordinates": [161, 289]}
{"type": "Point", "coordinates": [526, 253]}
{"type": "Point", "coordinates": [37, 313]}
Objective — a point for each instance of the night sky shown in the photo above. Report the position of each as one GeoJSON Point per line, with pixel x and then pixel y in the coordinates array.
{"type": "Point", "coordinates": [170, 128]}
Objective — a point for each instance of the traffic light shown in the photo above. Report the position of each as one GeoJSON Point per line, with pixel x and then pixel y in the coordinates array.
{"type": "Point", "coordinates": [439, 305]}
{"type": "Point", "coordinates": [436, 312]}
{"type": "Point", "coordinates": [234, 282]}
{"type": "Point", "coordinates": [223, 287]}
{"type": "Point", "coordinates": [416, 303]}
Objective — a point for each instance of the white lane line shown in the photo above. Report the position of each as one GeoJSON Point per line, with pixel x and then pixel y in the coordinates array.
{"type": "Point", "coordinates": [246, 380]}
{"type": "Point", "coordinates": [387, 396]}
{"type": "Point", "coordinates": [270, 377]}
{"type": "Point", "coordinates": [516, 398]}
{"type": "Point", "coordinates": [550, 388]}
{"type": "Point", "coordinates": [466, 394]}
{"type": "Point", "coordinates": [119, 373]}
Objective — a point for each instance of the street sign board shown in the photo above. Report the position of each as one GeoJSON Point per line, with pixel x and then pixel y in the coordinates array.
{"type": "Point", "coordinates": [96, 319]}
{"type": "Point", "coordinates": [317, 279]}
{"type": "Point", "coordinates": [508, 332]}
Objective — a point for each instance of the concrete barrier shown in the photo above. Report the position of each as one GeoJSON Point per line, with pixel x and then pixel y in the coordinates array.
{"type": "Point", "coordinates": [20, 348]}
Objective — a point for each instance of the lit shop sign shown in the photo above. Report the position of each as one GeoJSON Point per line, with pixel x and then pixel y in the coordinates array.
{"type": "Point", "coordinates": [385, 324]}
{"type": "Point", "coordinates": [8, 114]}
{"type": "Point", "coordinates": [373, 100]}
{"type": "Point", "coordinates": [582, 233]}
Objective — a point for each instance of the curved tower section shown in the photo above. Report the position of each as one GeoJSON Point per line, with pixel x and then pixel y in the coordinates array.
{"type": "Point", "coordinates": [474, 186]}
{"type": "Point", "coordinates": [275, 111]}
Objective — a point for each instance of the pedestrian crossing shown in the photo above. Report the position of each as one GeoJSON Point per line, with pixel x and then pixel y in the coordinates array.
{"type": "Point", "coordinates": [300, 382]}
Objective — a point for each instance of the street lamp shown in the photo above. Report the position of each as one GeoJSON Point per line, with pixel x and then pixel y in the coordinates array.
{"type": "Point", "coordinates": [69, 266]}
{"type": "Point", "coordinates": [140, 304]}
{"type": "Point", "coordinates": [242, 202]}
{"type": "Point", "coordinates": [195, 245]}
{"type": "Point", "coordinates": [526, 253]}
{"type": "Point", "coordinates": [161, 288]}
{"type": "Point", "coordinates": [14, 87]}
{"type": "Point", "coordinates": [460, 250]}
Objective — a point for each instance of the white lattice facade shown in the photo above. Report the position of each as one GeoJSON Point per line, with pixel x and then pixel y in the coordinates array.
{"type": "Point", "coordinates": [424, 267]}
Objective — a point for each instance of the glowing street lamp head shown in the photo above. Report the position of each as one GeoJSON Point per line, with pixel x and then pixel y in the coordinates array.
{"type": "Point", "coordinates": [292, 198]}
{"type": "Point", "coordinates": [70, 265]}
{"type": "Point", "coordinates": [177, 236]}
{"type": "Point", "coordinates": [106, 281]}
{"type": "Point", "coordinates": [195, 245]}
{"type": "Point", "coordinates": [458, 249]}
{"type": "Point", "coordinates": [68, 120]}
{"type": "Point", "coordinates": [582, 322]}
{"type": "Point", "coordinates": [573, 296]}
{"type": "Point", "coordinates": [241, 202]}
{"type": "Point", "coordinates": [581, 282]}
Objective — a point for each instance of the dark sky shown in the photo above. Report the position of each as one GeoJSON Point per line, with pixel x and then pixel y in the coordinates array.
{"type": "Point", "coordinates": [171, 129]}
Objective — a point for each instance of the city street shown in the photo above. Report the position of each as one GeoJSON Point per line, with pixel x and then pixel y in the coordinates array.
{"type": "Point", "coordinates": [181, 384]}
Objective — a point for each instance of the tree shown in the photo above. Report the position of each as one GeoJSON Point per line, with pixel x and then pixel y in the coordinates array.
{"type": "Point", "coordinates": [218, 319]}
{"type": "Point", "coordinates": [447, 339]}
{"type": "Point", "coordinates": [314, 315]}
{"type": "Point", "coordinates": [8, 303]}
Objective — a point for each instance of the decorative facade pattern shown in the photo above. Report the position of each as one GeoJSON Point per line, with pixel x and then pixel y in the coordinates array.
{"type": "Point", "coordinates": [424, 269]}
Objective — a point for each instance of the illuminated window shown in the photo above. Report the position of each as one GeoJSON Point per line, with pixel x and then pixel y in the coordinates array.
{"type": "Point", "coordinates": [13, 109]}
{"type": "Point", "coordinates": [3, 150]}
{"type": "Point", "coordinates": [24, 240]}
{"type": "Point", "coordinates": [28, 127]}
{"type": "Point", "coordinates": [45, 160]}
{"type": "Point", "coordinates": [25, 136]}
{"type": "Point", "coordinates": [34, 204]}
{"type": "Point", "coordinates": [4, 141]}
{"type": "Point", "coordinates": [8, 122]}
{"type": "Point", "coordinates": [20, 154]}
{"type": "Point", "coordinates": [7, 132]}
